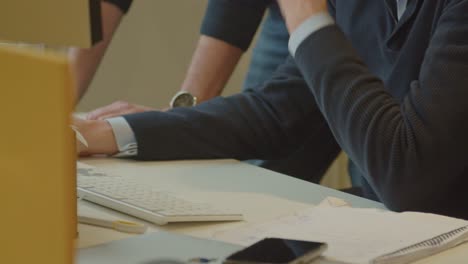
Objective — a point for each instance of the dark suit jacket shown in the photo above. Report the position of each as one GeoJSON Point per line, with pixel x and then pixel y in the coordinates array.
{"type": "Point", "coordinates": [392, 94]}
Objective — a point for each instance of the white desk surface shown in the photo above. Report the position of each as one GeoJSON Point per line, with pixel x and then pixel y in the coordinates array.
{"type": "Point", "coordinates": [260, 194]}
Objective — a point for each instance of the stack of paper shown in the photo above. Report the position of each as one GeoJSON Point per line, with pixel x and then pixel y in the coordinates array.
{"type": "Point", "coordinates": [361, 235]}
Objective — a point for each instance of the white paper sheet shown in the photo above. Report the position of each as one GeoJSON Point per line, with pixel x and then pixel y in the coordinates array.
{"type": "Point", "coordinates": [353, 235]}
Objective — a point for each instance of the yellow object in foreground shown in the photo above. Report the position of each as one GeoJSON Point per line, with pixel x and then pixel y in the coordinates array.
{"type": "Point", "coordinates": [37, 165]}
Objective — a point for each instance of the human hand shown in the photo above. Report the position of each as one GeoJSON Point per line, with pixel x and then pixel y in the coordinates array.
{"type": "Point", "coordinates": [99, 136]}
{"type": "Point", "coordinates": [296, 12]}
{"type": "Point", "coordinates": [117, 108]}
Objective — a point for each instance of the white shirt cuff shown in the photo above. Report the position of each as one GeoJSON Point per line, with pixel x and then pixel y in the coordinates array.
{"type": "Point", "coordinates": [309, 26]}
{"type": "Point", "coordinates": [124, 136]}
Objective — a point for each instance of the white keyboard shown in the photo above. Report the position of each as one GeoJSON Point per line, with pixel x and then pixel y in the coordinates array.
{"type": "Point", "coordinates": [159, 207]}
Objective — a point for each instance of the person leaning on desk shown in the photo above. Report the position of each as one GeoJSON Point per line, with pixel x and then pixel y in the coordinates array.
{"type": "Point", "coordinates": [226, 32]}
{"type": "Point", "coordinates": [391, 92]}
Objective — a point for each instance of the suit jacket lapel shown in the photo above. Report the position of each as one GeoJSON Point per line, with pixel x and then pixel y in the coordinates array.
{"type": "Point", "coordinates": [401, 26]}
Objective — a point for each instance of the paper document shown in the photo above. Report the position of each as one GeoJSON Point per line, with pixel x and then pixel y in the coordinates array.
{"type": "Point", "coordinates": [354, 235]}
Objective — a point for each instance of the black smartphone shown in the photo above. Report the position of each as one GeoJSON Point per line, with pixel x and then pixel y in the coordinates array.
{"type": "Point", "coordinates": [278, 251]}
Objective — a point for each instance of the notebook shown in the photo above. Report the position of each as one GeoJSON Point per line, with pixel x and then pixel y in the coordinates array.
{"type": "Point", "coordinates": [357, 235]}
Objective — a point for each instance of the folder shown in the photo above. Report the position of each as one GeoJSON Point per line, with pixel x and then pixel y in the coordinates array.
{"type": "Point", "coordinates": [37, 159]}
{"type": "Point", "coordinates": [160, 247]}
{"type": "Point", "coordinates": [51, 22]}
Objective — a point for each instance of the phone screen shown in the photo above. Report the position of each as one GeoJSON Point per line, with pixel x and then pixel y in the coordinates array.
{"type": "Point", "coordinates": [275, 250]}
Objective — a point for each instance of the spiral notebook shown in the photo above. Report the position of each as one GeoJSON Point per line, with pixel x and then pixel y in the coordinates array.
{"type": "Point", "coordinates": [357, 235]}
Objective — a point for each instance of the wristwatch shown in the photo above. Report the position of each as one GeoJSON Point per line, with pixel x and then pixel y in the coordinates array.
{"type": "Point", "coordinates": [183, 99]}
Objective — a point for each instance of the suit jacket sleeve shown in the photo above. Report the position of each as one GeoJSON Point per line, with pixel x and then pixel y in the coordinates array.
{"type": "Point", "coordinates": [234, 21]}
{"type": "Point", "coordinates": [266, 123]}
{"type": "Point", "coordinates": [415, 144]}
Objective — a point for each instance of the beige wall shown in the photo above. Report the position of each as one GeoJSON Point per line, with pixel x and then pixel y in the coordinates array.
{"type": "Point", "coordinates": [51, 22]}
{"type": "Point", "coordinates": [149, 55]}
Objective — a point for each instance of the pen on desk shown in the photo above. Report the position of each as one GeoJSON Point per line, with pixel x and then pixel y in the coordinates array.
{"type": "Point", "coordinates": [79, 136]}
{"type": "Point", "coordinates": [119, 225]}
{"type": "Point", "coordinates": [202, 260]}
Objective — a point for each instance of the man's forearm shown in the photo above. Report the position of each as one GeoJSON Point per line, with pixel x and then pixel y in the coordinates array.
{"type": "Point", "coordinates": [227, 30]}
{"type": "Point", "coordinates": [98, 135]}
{"type": "Point", "coordinates": [86, 61]}
{"type": "Point", "coordinates": [298, 11]}
{"type": "Point", "coordinates": [212, 65]}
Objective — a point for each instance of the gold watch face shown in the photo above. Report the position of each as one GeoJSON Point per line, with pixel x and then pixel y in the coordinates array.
{"type": "Point", "coordinates": [184, 99]}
